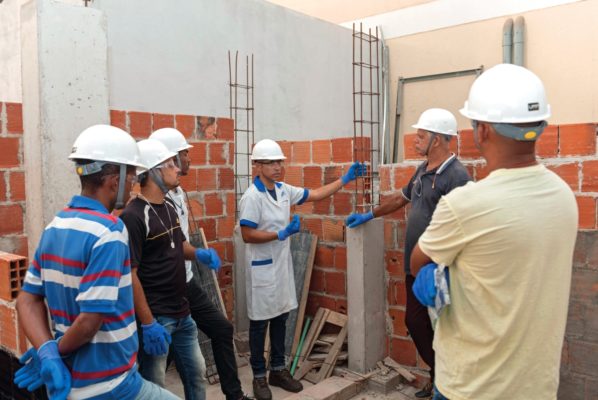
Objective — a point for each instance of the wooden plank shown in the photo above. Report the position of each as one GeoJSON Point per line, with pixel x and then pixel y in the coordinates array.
{"type": "Point", "coordinates": [328, 338]}
{"type": "Point", "coordinates": [337, 319]}
{"type": "Point", "coordinates": [304, 369]}
{"type": "Point", "coordinates": [397, 367]}
{"type": "Point", "coordinates": [330, 361]}
{"type": "Point", "coordinates": [343, 355]}
{"type": "Point", "coordinates": [207, 280]}
{"type": "Point", "coordinates": [303, 253]}
{"type": "Point", "coordinates": [312, 334]}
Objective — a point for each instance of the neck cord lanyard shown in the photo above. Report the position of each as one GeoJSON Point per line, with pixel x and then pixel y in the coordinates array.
{"type": "Point", "coordinates": [178, 205]}
{"type": "Point", "coordinates": [168, 231]}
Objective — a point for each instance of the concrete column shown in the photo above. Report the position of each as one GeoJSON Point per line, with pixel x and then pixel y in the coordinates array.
{"type": "Point", "coordinates": [65, 90]}
{"type": "Point", "coordinates": [366, 295]}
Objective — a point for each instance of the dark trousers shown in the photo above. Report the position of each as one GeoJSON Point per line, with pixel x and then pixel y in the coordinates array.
{"type": "Point", "coordinates": [218, 328]}
{"type": "Point", "coordinates": [419, 325]}
{"type": "Point", "coordinates": [257, 338]}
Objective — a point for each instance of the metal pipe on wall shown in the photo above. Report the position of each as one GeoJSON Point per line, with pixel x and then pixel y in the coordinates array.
{"type": "Point", "coordinates": [518, 41]}
{"type": "Point", "coordinates": [507, 41]}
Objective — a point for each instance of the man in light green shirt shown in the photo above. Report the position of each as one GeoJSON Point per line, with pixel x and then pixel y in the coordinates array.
{"type": "Point", "coordinates": [509, 253]}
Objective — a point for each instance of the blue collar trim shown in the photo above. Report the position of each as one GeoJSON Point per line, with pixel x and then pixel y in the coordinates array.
{"type": "Point", "coordinates": [260, 185]}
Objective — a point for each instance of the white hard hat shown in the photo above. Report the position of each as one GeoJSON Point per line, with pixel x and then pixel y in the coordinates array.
{"type": "Point", "coordinates": [106, 144]}
{"type": "Point", "coordinates": [507, 93]}
{"type": "Point", "coordinates": [437, 120]}
{"type": "Point", "coordinates": [267, 149]}
{"type": "Point", "coordinates": [172, 138]}
{"type": "Point", "coordinates": [153, 153]}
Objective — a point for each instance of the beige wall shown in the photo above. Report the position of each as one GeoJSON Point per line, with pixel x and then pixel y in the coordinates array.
{"type": "Point", "coordinates": [561, 47]}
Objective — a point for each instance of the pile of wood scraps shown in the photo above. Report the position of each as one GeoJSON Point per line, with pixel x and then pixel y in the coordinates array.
{"type": "Point", "coordinates": [318, 353]}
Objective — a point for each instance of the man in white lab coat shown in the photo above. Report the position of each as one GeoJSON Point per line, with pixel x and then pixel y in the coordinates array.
{"type": "Point", "coordinates": [264, 219]}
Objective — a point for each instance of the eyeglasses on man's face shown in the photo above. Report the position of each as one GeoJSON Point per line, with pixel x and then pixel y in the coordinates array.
{"type": "Point", "coordinates": [170, 164]}
{"type": "Point", "coordinates": [271, 162]}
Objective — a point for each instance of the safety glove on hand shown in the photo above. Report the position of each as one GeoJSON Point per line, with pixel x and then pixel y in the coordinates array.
{"type": "Point", "coordinates": [354, 220]}
{"type": "Point", "coordinates": [155, 339]}
{"type": "Point", "coordinates": [355, 170]}
{"type": "Point", "coordinates": [29, 375]}
{"type": "Point", "coordinates": [291, 228]}
{"type": "Point", "coordinates": [424, 287]}
{"type": "Point", "coordinates": [54, 372]}
{"type": "Point", "coordinates": [208, 257]}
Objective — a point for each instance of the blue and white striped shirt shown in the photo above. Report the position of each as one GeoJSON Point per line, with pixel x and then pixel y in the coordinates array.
{"type": "Point", "coordinates": [82, 264]}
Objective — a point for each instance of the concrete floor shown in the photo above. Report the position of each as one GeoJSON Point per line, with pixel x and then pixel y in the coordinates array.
{"type": "Point", "coordinates": [173, 383]}
{"type": "Point", "coordinates": [213, 392]}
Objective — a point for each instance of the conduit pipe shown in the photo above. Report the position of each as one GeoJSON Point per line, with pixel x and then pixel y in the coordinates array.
{"type": "Point", "coordinates": [518, 41]}
{"type": "Point", "coordinates": [507, 41]}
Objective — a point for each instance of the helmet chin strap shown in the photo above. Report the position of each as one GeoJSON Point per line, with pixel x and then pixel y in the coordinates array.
{"type": "Point", "coordinates": [432, 137]}
{"type": "Point", "coordinates": [121, 187]}
{"type": "Point", "coordinates": [157, 177]}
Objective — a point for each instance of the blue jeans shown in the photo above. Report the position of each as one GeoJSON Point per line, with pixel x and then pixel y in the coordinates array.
{"type": "Point", "coordinates": [151, 391]}
{"type": "Point", "coordinates": [257, 337]}
{"type": "Point", "coordinates": [438, 395]}
{"type": "Point", "coordinates": [188, 359]}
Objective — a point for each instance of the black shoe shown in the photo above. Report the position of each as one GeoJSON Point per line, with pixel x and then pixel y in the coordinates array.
{"type": "Point", "coordinates": [425, 392]}
{"type": "Point", "coordinates": [261, 391]}
{"type": "Point", "coordinates": [247, 397]}
{"type": "Point", "coordinates": [284, 380]}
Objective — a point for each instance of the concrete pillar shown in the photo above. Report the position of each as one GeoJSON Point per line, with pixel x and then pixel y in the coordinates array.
{"type": "Point", "coordinates": [240, 317]}
{"type": "Point", "coordinates": [366, 295]}
{"type": "Point", "coordinates": [65, 90]}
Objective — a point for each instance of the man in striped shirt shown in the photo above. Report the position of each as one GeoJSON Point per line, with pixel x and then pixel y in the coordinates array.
{"type": "Point", "coordinates": [82, 270]}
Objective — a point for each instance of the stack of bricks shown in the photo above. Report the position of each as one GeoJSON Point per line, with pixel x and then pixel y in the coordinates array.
{"type": "Point", "coordinates": [12, 272]}
{"type": "Point", "coordinates": [568, 150]}
{"type": "Point", "coordinates": [210, 182]}
{"type": "Point", "coordinates": [12, 180]}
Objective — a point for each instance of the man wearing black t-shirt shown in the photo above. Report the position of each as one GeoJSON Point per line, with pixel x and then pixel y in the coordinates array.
{"type": "Point", "coordinates": [158, 252]}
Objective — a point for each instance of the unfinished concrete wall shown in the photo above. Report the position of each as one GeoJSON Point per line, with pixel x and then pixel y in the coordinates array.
{"type": "Point", "coordinates": [65, 90]}
{"type": "Point", "coordinates": [174, 59]}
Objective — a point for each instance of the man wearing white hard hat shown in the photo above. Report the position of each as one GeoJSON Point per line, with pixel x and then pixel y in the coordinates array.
{"type": "Point", "coordinates": [509, 253]}
{"type": "Point", "coordinates": [209, 319]}
{"type": "Point", "coordinates": [82, 271]}
{"type": "Point", "coordinates": [264, 219]}
{"type": "Point", "coordinates": [158, 251]}
{"type": "Point", "coordinates": [435, 177]}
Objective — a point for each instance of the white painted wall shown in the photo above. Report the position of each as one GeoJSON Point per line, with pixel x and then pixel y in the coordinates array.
{"type": "Point", "coordinates": [173, 59]}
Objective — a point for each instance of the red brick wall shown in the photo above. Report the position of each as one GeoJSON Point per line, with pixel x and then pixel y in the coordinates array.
{"type": "Point", "coordinates": [12, 180]}
{"type": "Point", "coordinates": [12, 213]}
{"type": "Point", "coordinates": [571, 152]}
{"type": "Point", "coordinates": [210, 182]}
{"type": "Point", "coordinates": [312, 164]}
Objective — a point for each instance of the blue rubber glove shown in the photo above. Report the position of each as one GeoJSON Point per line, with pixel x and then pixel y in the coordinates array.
{"type": "Point", "coordinates": [208, 257]}
{"type": "Point", "coordinates": [290, 229]}
{"type": "Point", "coordinates": [155, 339]}
{"type": "Point", "coordinates": [53, 371]}
{"type": "Point", "coordinates": [424, 287]}
{"type": "Point", "coordinates": [355, 170]}
{"type": "Point", "coordinates": [29, 376]}
{"type": "Point", "coordinates": [357, 219]}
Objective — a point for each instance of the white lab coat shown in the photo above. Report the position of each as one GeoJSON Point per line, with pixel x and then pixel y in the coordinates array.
{"type": "Point", "coordinates": [270, 284]}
